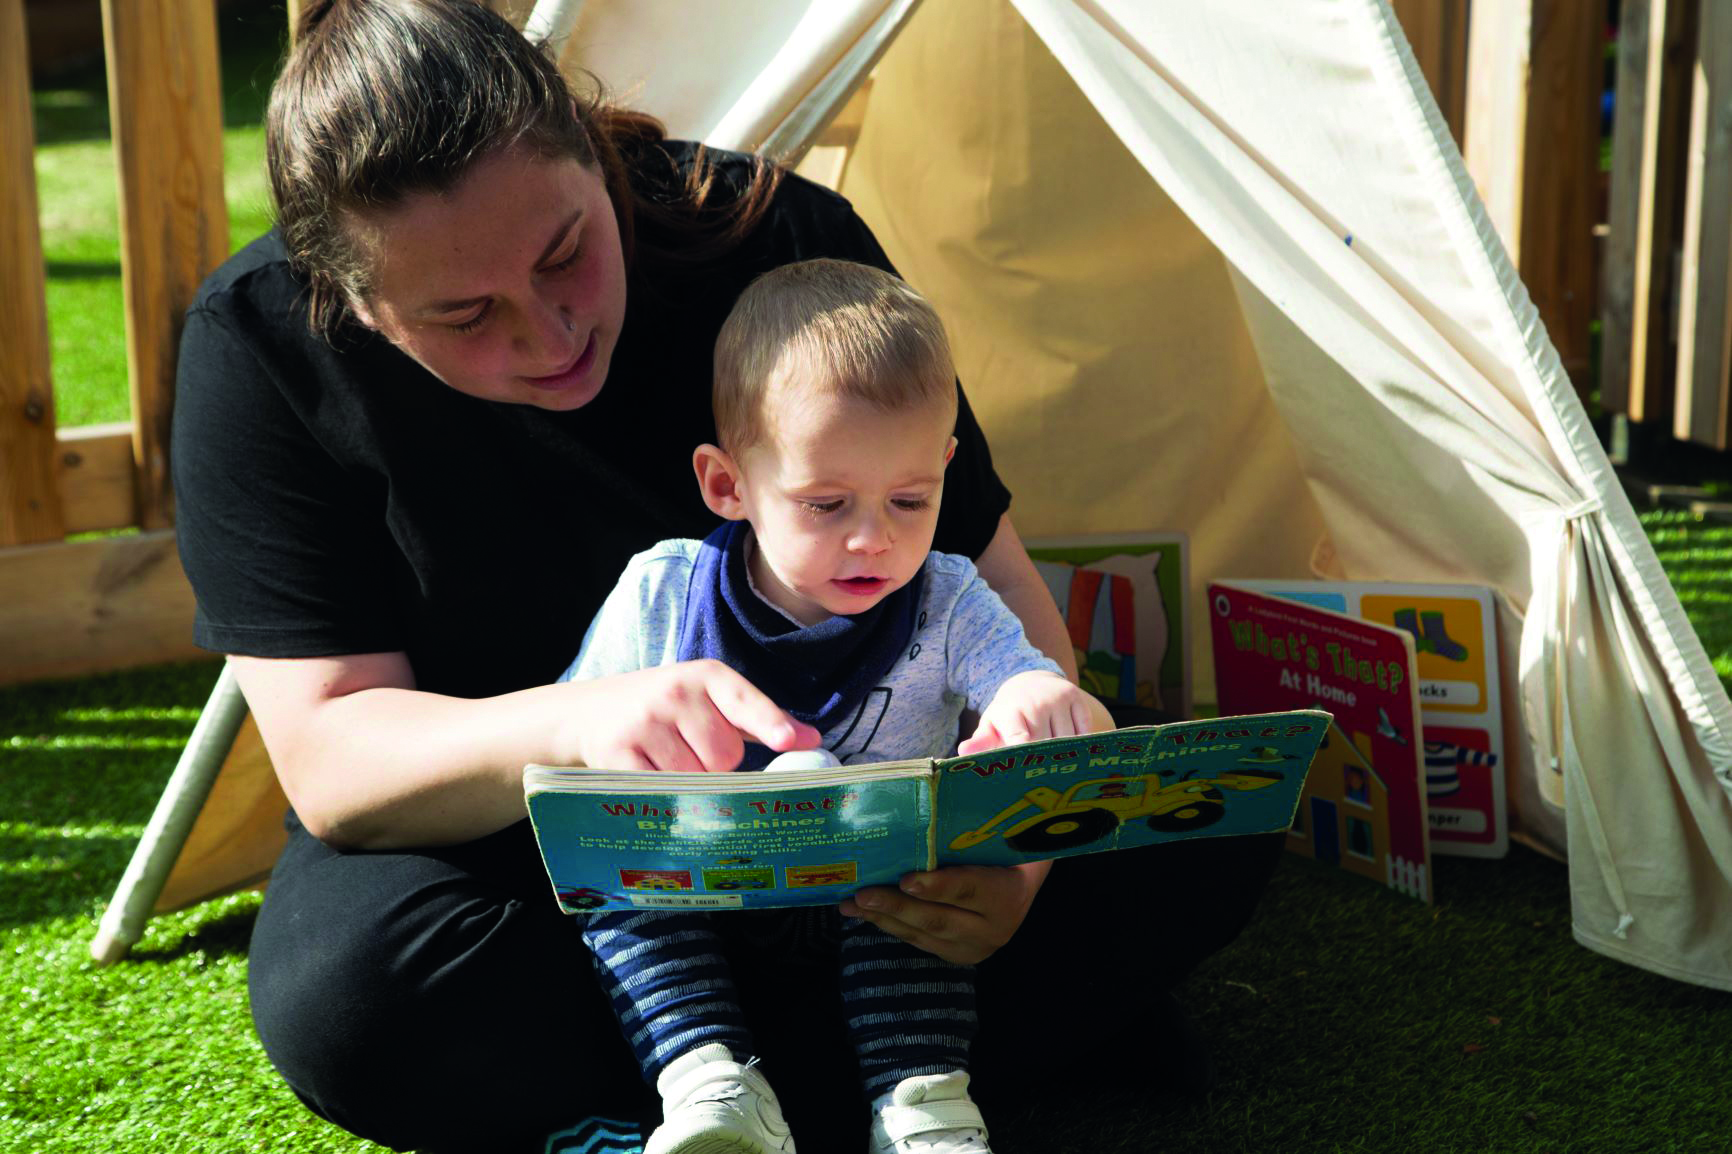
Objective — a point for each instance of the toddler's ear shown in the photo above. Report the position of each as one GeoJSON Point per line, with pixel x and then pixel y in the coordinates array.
{"type": "Point", "coordinates": [719, 482]}
{"type": "Point", "coordinates": [950, 450]}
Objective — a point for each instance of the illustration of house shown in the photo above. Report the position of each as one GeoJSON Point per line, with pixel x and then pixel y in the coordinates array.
{"type": "Point", "coordinates": [1343, 816]}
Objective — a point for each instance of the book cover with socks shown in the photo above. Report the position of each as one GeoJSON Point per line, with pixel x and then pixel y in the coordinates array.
{"type": "Point", "coordinates": [1454, 630]}
{"type": "Point", "coordinates": [815, 833]}
{"type": "Point", "coordinates": [1364, 804]}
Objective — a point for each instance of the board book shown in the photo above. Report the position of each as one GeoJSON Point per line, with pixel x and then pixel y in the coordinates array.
{"type": "Point", "coordinates": [715, 841]}
{"type": "Point", "coordinates": [1454, 630]}
{"type": "Point", "coordinates": [1364, 804]}
{"type": "Point", "coordinates": [1122, 597]}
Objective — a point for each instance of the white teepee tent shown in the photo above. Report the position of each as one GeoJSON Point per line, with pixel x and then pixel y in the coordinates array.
{"type": "Point", "coordinates": [1213, 268]}
{"type": "Point", "coordinates": [1219, 267]}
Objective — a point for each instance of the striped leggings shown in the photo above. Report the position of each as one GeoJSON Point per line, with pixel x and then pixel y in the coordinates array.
{"type": "Point", "coordinates": [908, 1012]}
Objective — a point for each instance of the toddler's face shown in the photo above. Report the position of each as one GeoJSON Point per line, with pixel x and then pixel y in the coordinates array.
{"type": "Point", "coordinates": [843, 501]}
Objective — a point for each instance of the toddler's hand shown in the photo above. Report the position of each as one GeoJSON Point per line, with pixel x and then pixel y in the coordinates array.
{"type": "Point", "coordinates": [1032, 706]}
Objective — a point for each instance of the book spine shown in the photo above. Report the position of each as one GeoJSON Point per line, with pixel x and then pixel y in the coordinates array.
{"type": "Point", "coordinates": [932, 778]}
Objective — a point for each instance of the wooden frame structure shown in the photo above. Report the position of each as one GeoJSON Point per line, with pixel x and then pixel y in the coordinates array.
{"type": "Point", "coordinates": [1667, 291]}
{"type": "Point", "coordinates": [70, 607]}
{"type": "Point", "coordinates": [1532, 144]}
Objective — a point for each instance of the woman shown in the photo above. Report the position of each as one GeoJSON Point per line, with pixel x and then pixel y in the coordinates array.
{"type": "Point", "coordinates": [420, 428]}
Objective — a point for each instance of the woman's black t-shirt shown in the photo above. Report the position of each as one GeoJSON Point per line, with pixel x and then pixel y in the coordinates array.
{"type": "Point", "coordinates": [338, 500]}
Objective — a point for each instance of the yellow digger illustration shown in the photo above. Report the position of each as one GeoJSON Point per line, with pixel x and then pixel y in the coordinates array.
{"type": "Point", "coordinates": [1092, 809]}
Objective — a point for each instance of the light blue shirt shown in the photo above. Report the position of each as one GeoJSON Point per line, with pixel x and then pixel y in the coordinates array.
{"type": "Point", "coordinates": [966, 644]}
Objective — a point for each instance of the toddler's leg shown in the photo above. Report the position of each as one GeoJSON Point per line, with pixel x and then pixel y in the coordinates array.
{"type": "Point", "coordinates": [669, 985]}
{"type": "Point", "coordinates": [911, 1018]}
{"type": "Point", "coordinates": [674, 996]}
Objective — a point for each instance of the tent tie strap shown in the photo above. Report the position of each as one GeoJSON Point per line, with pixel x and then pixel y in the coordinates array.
{"type": "Point", "coordinates": [1586, 507]}
{"type": "Point", "coordinates": [1545, 691]}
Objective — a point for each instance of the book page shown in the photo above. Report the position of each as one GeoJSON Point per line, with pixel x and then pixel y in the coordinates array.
{"type": "Point", "coordinates": [764, 841]}
{"type": "Point", "coordinates": [1126, 788]}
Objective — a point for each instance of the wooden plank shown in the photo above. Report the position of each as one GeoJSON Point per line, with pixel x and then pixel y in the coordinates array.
{"type": "Point", "coordinates": [1704, 329]}
{"type": "Point", "coordinates": [96, 477]}
{"type": "Point", "coordinates": [1560, 191]}
{"type": "Point", "coordinates": [1499, 40]}
{"type": "Point", "coordinates": [75, 608]}
{"type": "Point", "coordinates": [166, 106]}
{"type": "Point", "coordinates": [1534, 74]}
{"type": "Point", "coordinates": [1618, 273]}
{"type": "Point", "coordinates": [1437, 32]}
{"type": "Point", "coordinates": [239, 832]}
{"type": "Point", "coordinates": [1671, 24]}
{"type": "Point", "coordinates": [29, 499]}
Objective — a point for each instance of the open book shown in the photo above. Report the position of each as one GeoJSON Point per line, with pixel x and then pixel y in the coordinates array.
{"type": "Point", "coordinates": [637, 839]}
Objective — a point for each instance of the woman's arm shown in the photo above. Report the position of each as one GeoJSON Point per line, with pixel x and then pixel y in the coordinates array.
{"type": "Point", "coordinates": [1006, 567]}
{"type": "Point", "coordinates": [370, 762]}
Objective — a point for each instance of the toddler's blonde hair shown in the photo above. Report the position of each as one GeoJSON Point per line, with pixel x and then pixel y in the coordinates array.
{"type": "Point", "coordinates": [857, 331]}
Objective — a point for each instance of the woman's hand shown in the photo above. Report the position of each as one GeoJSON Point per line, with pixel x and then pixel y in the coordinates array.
{"type": "Point", "coordinates": [1034, 706]}
{"type": "Point", "coordinates": [960, 913]}
{"type": "Point", "coordinates": [694, 717]}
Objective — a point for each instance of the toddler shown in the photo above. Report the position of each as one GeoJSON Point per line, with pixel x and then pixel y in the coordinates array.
{"type": "Point", "coordinates": [835, 400]}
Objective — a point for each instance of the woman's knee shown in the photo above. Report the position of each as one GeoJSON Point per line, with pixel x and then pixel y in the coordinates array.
{"type": "Point", "coordinates": [389, 993]}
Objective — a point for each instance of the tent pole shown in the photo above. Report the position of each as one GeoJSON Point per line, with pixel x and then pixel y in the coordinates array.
{"type": "Point", "coordinates": [188, 787]}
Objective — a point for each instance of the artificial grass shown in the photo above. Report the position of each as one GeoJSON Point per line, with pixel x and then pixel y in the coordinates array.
{"type": "Point", "coordinates": [1697, 557]}
{"type": "Point", "coordinates": [156, 1053]}
{"type": "Point", "coordinates": [1345, 1018]}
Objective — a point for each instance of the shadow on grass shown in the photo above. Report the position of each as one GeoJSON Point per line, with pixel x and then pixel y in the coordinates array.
{"type": "Point", "coordinates": [48, 877]}
{"type": "Point", "coordinates": [222, 936]}
{"type": "Point", "coordinates": [81, 269]}
{"type": "Point", "coordinates": [68, 792]}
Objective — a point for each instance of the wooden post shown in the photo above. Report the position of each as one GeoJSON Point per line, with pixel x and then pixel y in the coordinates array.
{"type": "Point", "coordinates": [1704, 328]}
{"type": "Point", "coordinates": [29, 495]}
{"type": "Point", "coordinates": [1618, 276]}
{"type": "Point", "coordinates": [1437, 32]}
{"type": "Point", "coordinates": [1657, 160]}
{"type": "Point", "coordinates": [166, 106]}
{"type": "Point", "coordinates": [1533, 148]}
{"type": "Point", "coordinates": [95, 477]}
{"type": "Point", "coordinates": [1497, 110]}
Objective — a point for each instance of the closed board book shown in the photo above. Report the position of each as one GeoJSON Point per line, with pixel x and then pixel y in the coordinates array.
{"type": "Point", "coordinates": [646, 840]}
{"type": "Point", "coordinates": [1364, 807]}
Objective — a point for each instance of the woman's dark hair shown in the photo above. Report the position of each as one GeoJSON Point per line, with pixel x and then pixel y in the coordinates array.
{"type": "Point", "coordinates": [384, 99]}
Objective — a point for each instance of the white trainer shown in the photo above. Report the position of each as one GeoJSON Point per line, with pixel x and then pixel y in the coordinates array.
{"type": "Point", "coordinates": [712, 1104]}
{"type": "Point", "coordinates": [930, 1114]}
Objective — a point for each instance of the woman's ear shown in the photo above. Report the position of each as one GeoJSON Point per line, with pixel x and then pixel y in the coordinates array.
{"type": "Point", "coordinates": [719, 480]}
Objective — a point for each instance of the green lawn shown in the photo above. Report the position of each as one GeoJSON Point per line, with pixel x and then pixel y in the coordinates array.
{"type": "Point", "coordinates": [1697, 558]}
